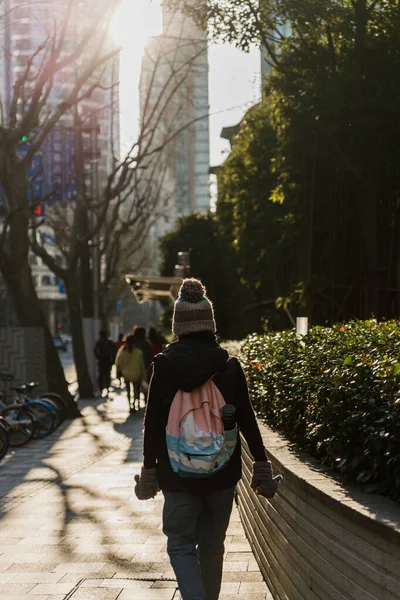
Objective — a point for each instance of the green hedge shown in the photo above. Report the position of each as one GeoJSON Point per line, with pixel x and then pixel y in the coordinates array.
{"type": "Point", "coordinates": [336, 394]}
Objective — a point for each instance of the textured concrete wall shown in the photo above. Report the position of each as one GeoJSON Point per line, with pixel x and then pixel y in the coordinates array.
{"type": "Point", "coordinates": [318, 540]}
{"type": "Point", "coordinates": [22, 353]}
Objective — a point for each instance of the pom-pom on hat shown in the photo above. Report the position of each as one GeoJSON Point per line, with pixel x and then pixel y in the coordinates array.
{"type": "Point", "coordinates": [193, 311]}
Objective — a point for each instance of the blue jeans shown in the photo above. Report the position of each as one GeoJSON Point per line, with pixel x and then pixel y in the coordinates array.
{"type": "Point", "coordinates": [196, 527]}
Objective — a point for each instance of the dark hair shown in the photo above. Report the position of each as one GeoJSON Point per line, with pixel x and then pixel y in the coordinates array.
{"type": "Point", "coordinates": [139, 332]}
{"type": "Point", "coordinates": [129, 342]}
{"type": "Point", "coordinates": [121, 336]}
{"type": "Point", "coordinates": [154, 336]}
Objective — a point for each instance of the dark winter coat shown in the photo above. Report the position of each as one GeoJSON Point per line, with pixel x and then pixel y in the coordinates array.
{"type": "Point", "coordinates": [105, 352]}
{"type": "Point", "coordinates": [147, 351]}
{"type": "Point", "coordinates": [185, 365]}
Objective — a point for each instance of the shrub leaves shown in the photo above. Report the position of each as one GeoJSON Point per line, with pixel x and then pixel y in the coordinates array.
{"type": "Point", "coordinates": [335, 393]}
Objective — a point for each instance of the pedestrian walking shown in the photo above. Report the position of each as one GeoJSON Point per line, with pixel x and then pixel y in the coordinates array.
{"type": "Point", "coordinates": [118, 344]}
{"type": "Point", "coordinates": [157, 341]}
{"type": "Point", "coordinates": [198, 402]}
{"type": "Point", "coordinates": [104, 352]}
{"type": "Point", "coordinates": [130, 364]}
{"type": "Point", "coordinates": [144, 345]}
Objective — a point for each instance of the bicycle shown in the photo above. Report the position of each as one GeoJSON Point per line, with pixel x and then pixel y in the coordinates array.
{"type": "Point", "coordinates": [18, 423]}
{"type": "Point", "coordinates": [26, 389]}
{"type": "Point", "coordinates": [4, 441]}
{"type": "Point", "coordinates": [54, 399]}
{"type": "Point", "coordinates": [42, 413]}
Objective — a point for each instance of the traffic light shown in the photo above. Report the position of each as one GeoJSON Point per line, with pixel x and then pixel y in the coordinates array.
{"type": "Point", "coordinates": [39, 210]}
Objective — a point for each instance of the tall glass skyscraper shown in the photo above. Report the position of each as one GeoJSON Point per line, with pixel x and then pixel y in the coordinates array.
{"type": "Point", "coordinates": [174, 99]}
{"type": "Point", "coordinates": [24, 26]}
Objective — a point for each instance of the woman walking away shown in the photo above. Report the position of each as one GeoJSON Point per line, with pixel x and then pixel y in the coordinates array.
{"type": "Point", "coordinates": [104, 352]}
{"type": "Point", "coordinates": [130, 364]}
{"type": "Point", "coordinates": [198, 402]}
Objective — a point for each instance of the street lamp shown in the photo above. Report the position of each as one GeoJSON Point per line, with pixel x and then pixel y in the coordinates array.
{"type": "Point", "coordinates": [182, 268]}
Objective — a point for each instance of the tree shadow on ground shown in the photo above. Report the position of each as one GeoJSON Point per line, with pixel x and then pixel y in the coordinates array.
{"type": "Point", "coordinates": [107, 508]}
{"type": "Point", "coordinates": [18, 468]}
{"type": "Point", "coordinates": [18, 462]}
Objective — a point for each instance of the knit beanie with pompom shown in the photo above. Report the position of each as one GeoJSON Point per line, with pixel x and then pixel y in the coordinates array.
{"type": "Point", "coordinates": [193, 311]}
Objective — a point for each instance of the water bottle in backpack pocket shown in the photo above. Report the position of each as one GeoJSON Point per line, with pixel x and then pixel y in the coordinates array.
{"type": "Point", "coordinates": [201, 432]}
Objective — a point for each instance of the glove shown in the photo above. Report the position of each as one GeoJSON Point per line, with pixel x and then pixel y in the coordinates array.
{"type": "Point", "coordinates": [146, 484]}
{"type": "Point", "coordinates": [263, 482]}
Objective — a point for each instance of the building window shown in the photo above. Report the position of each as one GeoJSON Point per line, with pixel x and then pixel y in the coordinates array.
{"type": "Point", "coordinates": [23, 12]}
{"type": "Point", "coordinates": [46, 280]}
{"type": "Point", "coordinates": [23, 44]}
{"type": "Point", "coordinates": [22, 29]}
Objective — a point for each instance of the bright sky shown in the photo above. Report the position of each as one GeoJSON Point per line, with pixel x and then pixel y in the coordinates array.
{"type": "Point", "coordinates": [234, 76]}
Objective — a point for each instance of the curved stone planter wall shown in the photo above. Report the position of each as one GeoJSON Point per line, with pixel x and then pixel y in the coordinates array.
{"type": "Point", "coordinates": [317, 540]}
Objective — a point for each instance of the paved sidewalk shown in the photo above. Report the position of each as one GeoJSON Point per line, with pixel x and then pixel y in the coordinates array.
{"type": "Point", "coordinates": [71, 528]}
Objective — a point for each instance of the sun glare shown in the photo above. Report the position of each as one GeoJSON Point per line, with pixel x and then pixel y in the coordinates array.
{"type": "Point", "coordinates": [134, 22]}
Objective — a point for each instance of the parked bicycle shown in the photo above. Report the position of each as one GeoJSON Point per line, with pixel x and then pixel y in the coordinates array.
{"type": "Point", "coordinates": [44, 411]}
{"type": "Point", "coordinates": [17, 422]}
{"type": "Point", "coordinates": [4, 441]}
{"type": "Point", "coordinates": [25, 390]}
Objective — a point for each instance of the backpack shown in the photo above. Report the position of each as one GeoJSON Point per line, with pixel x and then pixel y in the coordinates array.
{"type": "Point", "coordinates": [197, 443]}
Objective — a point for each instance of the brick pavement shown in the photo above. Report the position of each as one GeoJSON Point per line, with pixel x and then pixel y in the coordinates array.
{"type": "Point", "coordinates": [71, 528]}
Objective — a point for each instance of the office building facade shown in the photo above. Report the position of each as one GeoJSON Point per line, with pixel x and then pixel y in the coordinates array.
{"type": "Point", "coordinates": [174, 102]}
{"type": "Point", "coordinates": [23, 29]}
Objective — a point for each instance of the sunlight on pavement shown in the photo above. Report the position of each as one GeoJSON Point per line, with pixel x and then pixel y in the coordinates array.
{"type": "Point", "coordinates": [71, 523]}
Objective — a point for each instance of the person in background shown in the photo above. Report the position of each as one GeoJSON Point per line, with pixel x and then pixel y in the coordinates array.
{"type": "Point", "coordinates": [157, 341]}
{"type": "Point", "coordinates": [197, 510]}
{"type": "Point", "coordinates": [104, 352]}
{"type": "Point", "coordinates": [144, 345]}
{"type": "Point", "coordinates": [130, 364]}
{"type": "Point", "coordinates": [118, 344]}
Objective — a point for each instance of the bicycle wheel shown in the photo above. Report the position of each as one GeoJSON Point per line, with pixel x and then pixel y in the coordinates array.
{"type": "Point", "coordinates": [4, 442]}
{"type": "Point", "coordinates": [58, 401]}
{"type": "Point", "coordinates": [54, 409]}
{"type": "Point", "coordinates": [19, 424]}
{"type": "Point", "coordinates": [43, 418]}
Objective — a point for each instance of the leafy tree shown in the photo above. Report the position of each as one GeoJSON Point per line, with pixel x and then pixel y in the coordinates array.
{"type": "Point", "coordinates": [254, 222]}
{"type": "Point", "coordinates": [212, 261]}
{"type": "Point", "coordinates": [333, 91]}
{"type": "Point", "coordinates": [336, 119]}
